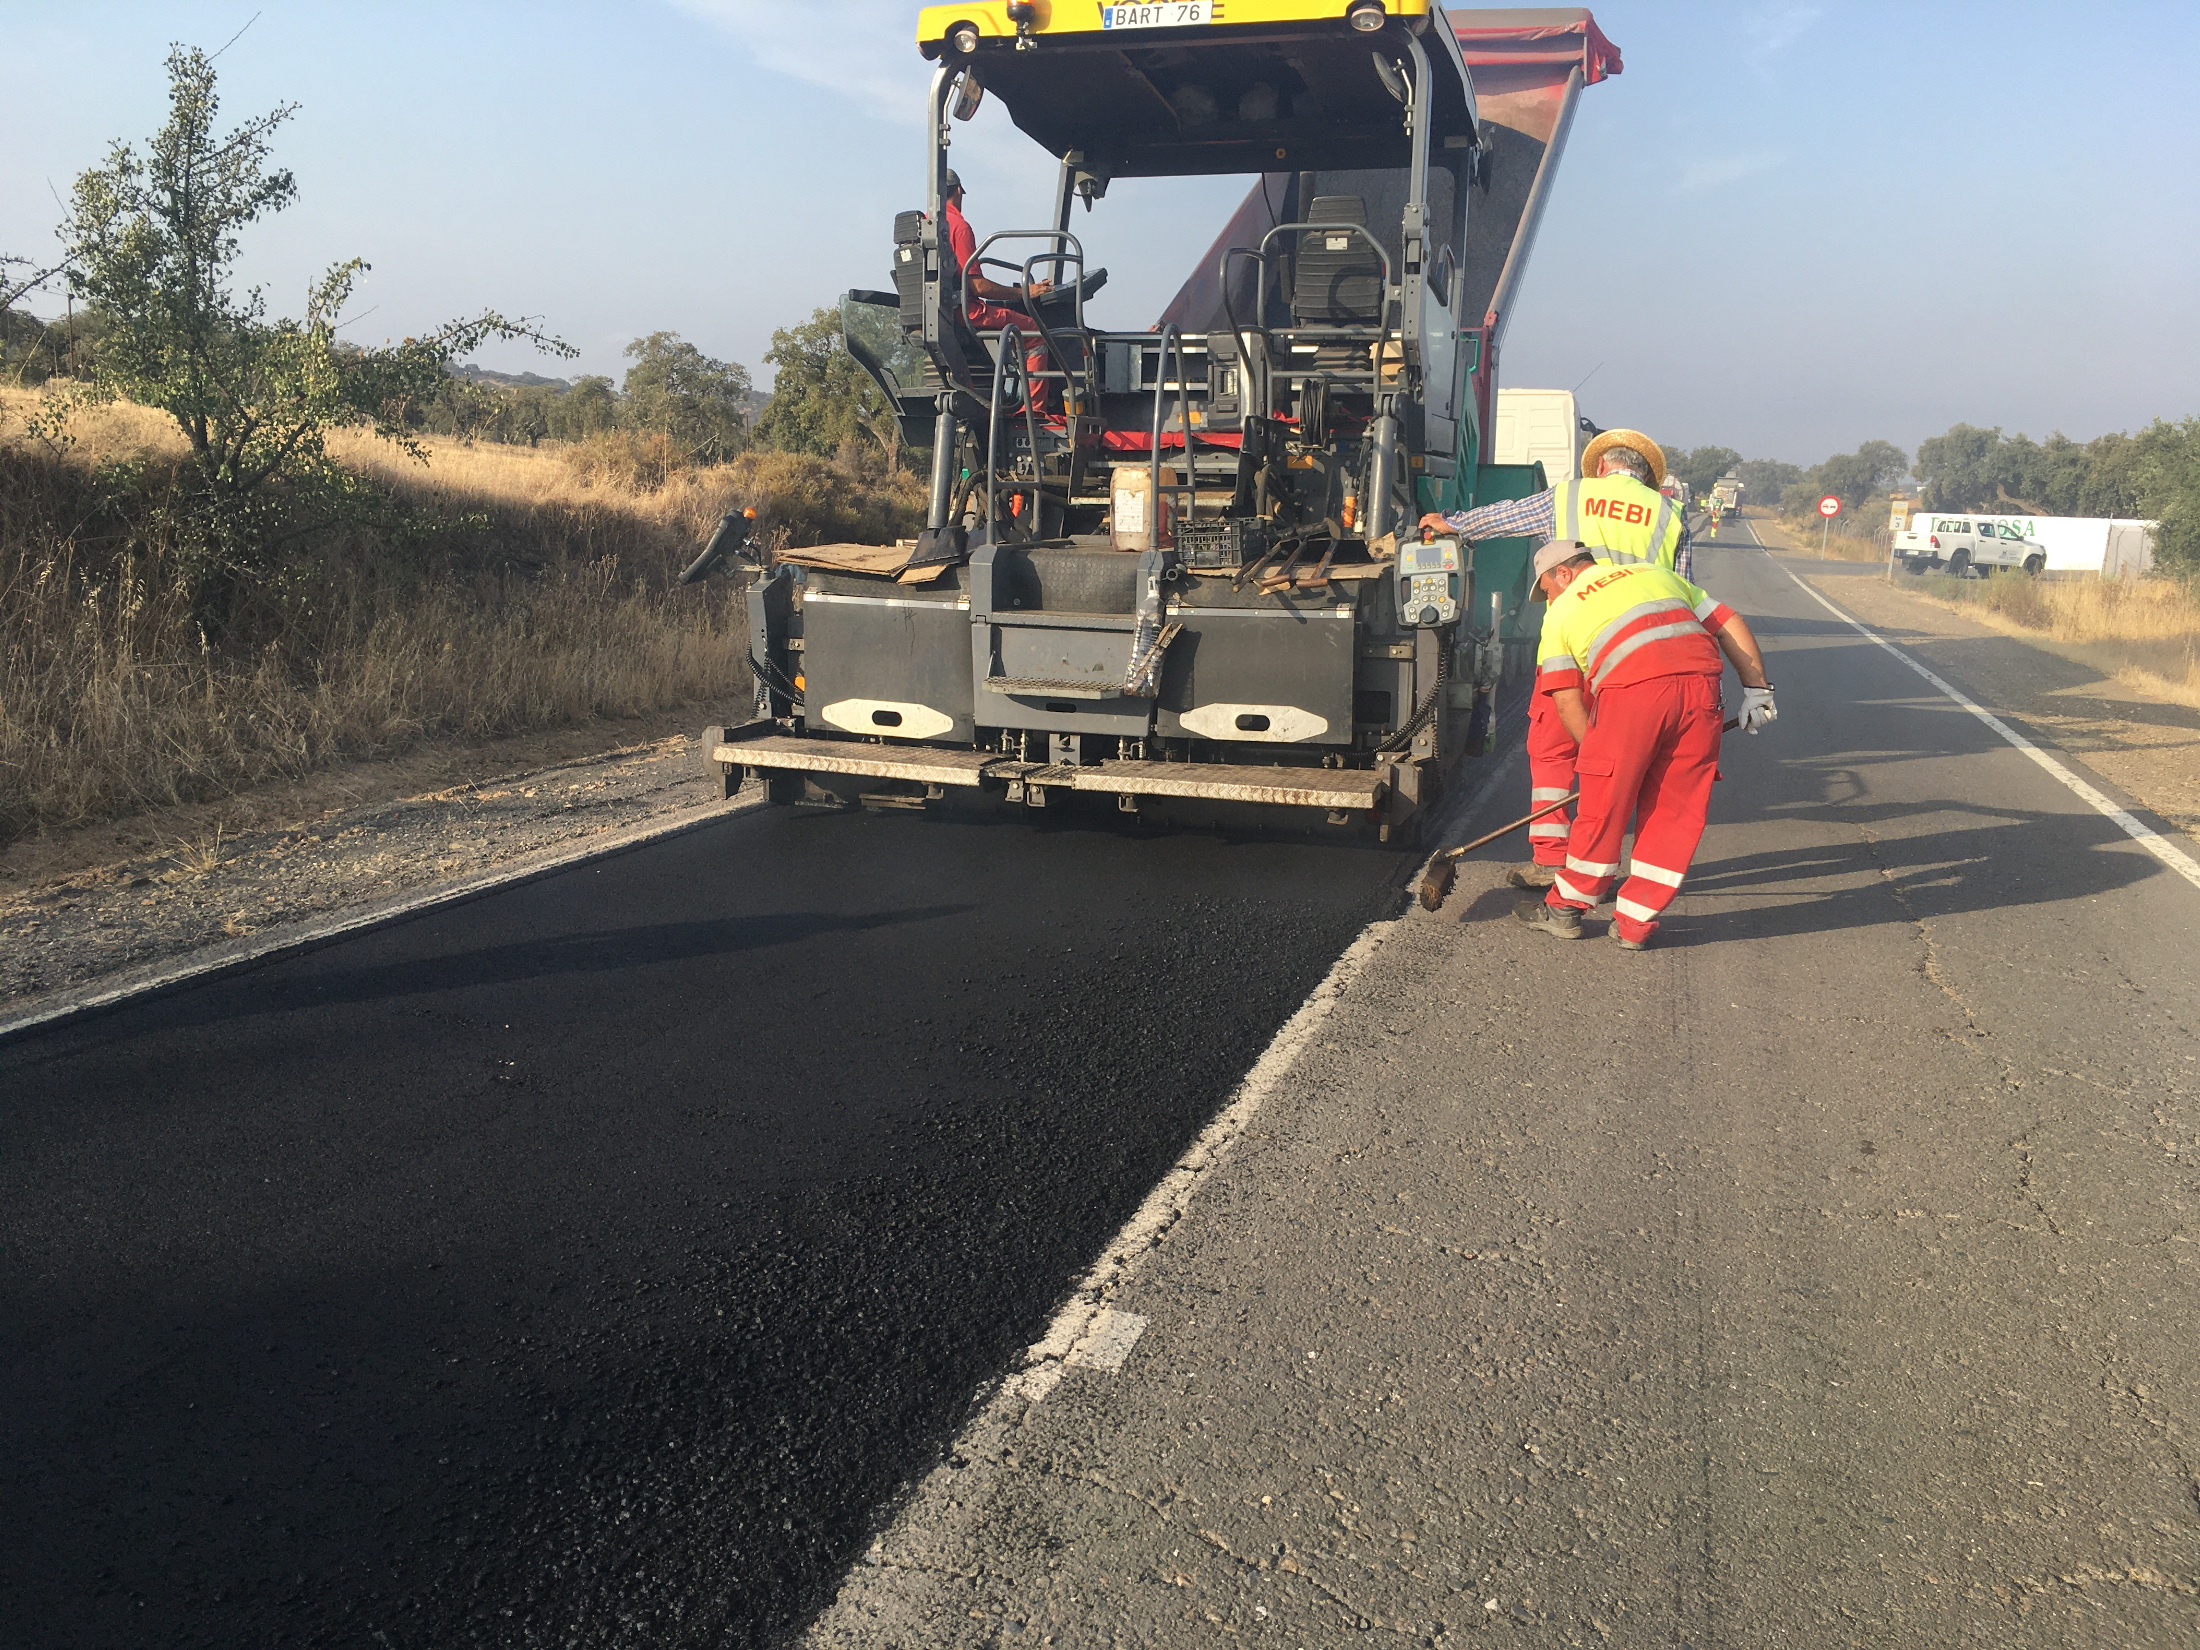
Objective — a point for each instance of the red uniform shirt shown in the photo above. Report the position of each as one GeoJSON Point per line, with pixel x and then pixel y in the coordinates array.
{"type": "Point", "coordinates": [964, 245]}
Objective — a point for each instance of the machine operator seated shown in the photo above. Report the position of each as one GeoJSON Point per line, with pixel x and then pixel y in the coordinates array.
{"type": "Point", "coordinates": [987, 303]}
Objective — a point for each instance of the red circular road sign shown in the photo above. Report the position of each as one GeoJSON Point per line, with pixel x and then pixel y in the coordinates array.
{"type": "Point", "coordinates": [1829, 506]}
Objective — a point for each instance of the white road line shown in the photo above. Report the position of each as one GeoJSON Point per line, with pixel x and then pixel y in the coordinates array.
{"type": "Point", "coordinates": [1074, 1324]}
{"type": "Point", "coordinates": [1085, 1332]}
{"type": "Point", "coordinates": [277, 942]}
{"type": "Point", "coordinates": [2137, 829]}
{"type": "Point", "coordinates": [1109, 1341]}
{"type": "Point", "coordinates": [1047, 1357]}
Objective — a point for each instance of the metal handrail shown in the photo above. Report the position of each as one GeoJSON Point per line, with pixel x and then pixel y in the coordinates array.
{"type": "Point", "coordinates": [1076, 250]}
{"type": "Point", "coordinates": [1055, 352]}
{"type": "Point", "coordinates": [1012, 350]}
{"type": "Point", "coordinates": [1170, 336]}
{"type": "Point", "coordinates": [1391, 295]}
{"type": "Point", "coordinates": [1238, 331]}
{"type": "Point", "coordinates": [1071, 250]}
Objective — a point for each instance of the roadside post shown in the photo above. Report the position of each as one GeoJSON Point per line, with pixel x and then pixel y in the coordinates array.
{"type": "Point", "coordinates": [1828, 508]}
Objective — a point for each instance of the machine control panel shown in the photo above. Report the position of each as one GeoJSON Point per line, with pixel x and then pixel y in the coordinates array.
{"type": "Point", "coordinates": [1429, 582]}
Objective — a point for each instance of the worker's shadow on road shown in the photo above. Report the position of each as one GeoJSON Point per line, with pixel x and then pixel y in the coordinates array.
{"type": "Point", "coordinates": [2006, 864]}
{"type": "Point", "coordinates": [603, 952]}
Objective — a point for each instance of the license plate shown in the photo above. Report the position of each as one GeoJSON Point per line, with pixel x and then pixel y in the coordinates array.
{"type": "Point", "coordinates": [1166, 14]}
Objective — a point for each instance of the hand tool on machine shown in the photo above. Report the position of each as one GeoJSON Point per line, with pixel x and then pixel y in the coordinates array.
{"type": "Point", "coordinates": [1443, 870]}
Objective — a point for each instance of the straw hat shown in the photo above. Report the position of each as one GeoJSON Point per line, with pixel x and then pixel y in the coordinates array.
{"type": "Point", "coordinates": [1652, 453]}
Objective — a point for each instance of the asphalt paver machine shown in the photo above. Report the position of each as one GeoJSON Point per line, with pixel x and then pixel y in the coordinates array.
{"type": "Point", "coordinates": [1181, 567]}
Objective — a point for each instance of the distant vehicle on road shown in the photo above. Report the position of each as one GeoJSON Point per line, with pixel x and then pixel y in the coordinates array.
{"type": "Point", "coordinates": [1542, 426]}
{"type": "Point", "coordinates": [1964, 544]}
{"type": "Point", "coordinates": [1726, 493]}
{"type": "Point", "coordinates": [1677, 490]}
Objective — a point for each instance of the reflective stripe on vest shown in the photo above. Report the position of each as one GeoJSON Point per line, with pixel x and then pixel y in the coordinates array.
{"type": "Point", "coordinates": [1619, 518]}
{"type": "Point", "coordinates": [1687, 625]}
{"type": "Point", "coordinates": [1609, 616]}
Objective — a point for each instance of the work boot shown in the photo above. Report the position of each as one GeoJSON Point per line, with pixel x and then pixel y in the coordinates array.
{"type": "Point", "coordinates": [1560, 922]}
{"type": "Point", "coordinates": [1626, 944]}
{"type": "Point", "coordinates": [1535, 878]}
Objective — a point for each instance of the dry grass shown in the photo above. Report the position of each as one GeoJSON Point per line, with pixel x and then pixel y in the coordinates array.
{"type": "Point", "coordinates": [554, 605]}
{"type": "Point", "coordinates": [625, 477]}
{"type": "Point", "coordinates": [2144, 630]}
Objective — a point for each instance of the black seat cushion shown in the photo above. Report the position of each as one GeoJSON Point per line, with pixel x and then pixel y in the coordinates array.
{"type": "Point", "coordinates": [1339, 280]}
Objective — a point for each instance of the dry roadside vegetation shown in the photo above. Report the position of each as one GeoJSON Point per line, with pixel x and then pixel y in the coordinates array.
{"type": "Point", "coordinates": [2149, 629]}
{"type": "Point", "coordinates": [1804, 536]}
{"type": "Point", "coordinates": [494, 590]}
{"type": "Point", "coordinates": [236, 548]}
{"type": "Point", "coordinates": [2143, 631]}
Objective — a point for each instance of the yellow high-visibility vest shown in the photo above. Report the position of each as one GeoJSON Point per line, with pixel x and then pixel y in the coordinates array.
{"type": "Point", "coordinates": [1624, 622]}
{"type": "Point", "coordinates": [1618, 518]}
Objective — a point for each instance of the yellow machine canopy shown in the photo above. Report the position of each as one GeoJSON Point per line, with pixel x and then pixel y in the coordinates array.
{"type": "Point", "coordinates": [1243, 86]}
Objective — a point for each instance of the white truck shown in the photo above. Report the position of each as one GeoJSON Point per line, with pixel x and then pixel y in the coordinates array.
{"type": "Point", "coordinates": [1963, 544]}
{"type": "Point", "coordinates": [1726, 493]}
{"type": "Point", "coordinates": [1541, 426]}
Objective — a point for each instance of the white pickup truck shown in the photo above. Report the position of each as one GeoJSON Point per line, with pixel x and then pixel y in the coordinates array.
{"type": "Point", "coordinates": [1964, 544]}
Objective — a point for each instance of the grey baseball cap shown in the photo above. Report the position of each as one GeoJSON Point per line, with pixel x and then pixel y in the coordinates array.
{"type": "Point", "coordinates": [1556, 553]}
{"type": "Point", "coordinates": [952, 184]}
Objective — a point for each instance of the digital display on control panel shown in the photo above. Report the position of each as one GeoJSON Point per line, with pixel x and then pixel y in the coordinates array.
{"type": "Point", "coordinates": [1428, 582]}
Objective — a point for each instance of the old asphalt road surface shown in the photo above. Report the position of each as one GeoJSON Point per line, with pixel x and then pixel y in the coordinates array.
{"type": "Point", "coordinates": [1821, 1277]}
{"type": "Point", "coordinates": [589, 1264]}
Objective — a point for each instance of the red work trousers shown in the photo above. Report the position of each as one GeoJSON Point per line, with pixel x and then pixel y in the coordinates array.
{"type": "Point", "coordinates": [1551, 753]}
{"type": "Point", "coordinates": [1652, 752]}
{"type": "Point", "coordinates": [985, 317]}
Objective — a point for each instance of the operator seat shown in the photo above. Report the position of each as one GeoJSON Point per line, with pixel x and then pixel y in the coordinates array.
{"type": "Point", "coordinates": [953, 360]}
{"type": "Point", "coordinates": [962, 346]}
{"type": "Point", "coordinates": [1339, 280]}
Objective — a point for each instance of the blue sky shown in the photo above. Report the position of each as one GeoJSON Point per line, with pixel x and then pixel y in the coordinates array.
{"type": "Point", "coordinates": [1786, 227]}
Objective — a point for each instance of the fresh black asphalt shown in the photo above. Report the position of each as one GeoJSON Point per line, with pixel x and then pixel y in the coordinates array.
{"type": "Point", "coordinates": [592, 1263]}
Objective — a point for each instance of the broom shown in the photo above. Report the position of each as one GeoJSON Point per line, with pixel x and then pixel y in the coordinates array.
{"type": "Point", "coordinates": [1443, 870]}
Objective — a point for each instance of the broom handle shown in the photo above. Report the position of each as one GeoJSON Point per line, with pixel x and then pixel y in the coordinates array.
{"type": "Point", "coordinates": [1525, 819]}
{"type": "Point", "coordinates": [1466, 848]}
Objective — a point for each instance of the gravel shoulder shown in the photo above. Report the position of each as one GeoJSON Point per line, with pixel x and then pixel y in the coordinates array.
{"type": "Point", "coordinates": [108, 901]}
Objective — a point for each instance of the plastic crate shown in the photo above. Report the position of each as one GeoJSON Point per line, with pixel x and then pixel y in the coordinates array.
{"type": "Point", "coordinates": [1222, 546]}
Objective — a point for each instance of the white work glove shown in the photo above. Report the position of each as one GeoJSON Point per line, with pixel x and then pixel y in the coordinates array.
{"type": "Point", "coordinates": [1758, 708]}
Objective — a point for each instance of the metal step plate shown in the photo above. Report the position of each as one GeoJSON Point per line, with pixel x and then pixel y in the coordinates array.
{"type": "Point", "coordinates": [1041, 687]}
{"type": "Point", "coordinates": [920, 763]}
{"type": "Point", "coordinates": [1331, 788]}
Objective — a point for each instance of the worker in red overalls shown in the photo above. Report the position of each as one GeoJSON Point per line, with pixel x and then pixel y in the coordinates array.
{"type": "Point", "coordinates": [1631, 660]}
{"type": "Point", "coordinates": [1619, 510]}
{"type": "Point", "coordinates": [987, 302]}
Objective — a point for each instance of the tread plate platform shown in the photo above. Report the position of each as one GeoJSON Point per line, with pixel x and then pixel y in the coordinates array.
{"type": "Point", "coordinates": [1334, 789]}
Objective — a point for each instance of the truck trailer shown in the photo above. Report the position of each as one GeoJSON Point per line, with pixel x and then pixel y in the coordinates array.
{"type": "Point", "coordinates": [1180, 566]}
{"type": "Point", "coordinates": [1541, 427]}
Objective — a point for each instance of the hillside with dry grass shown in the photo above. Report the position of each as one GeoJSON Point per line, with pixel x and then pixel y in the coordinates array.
{"type": "Point", "coordinates": [496, 589]}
